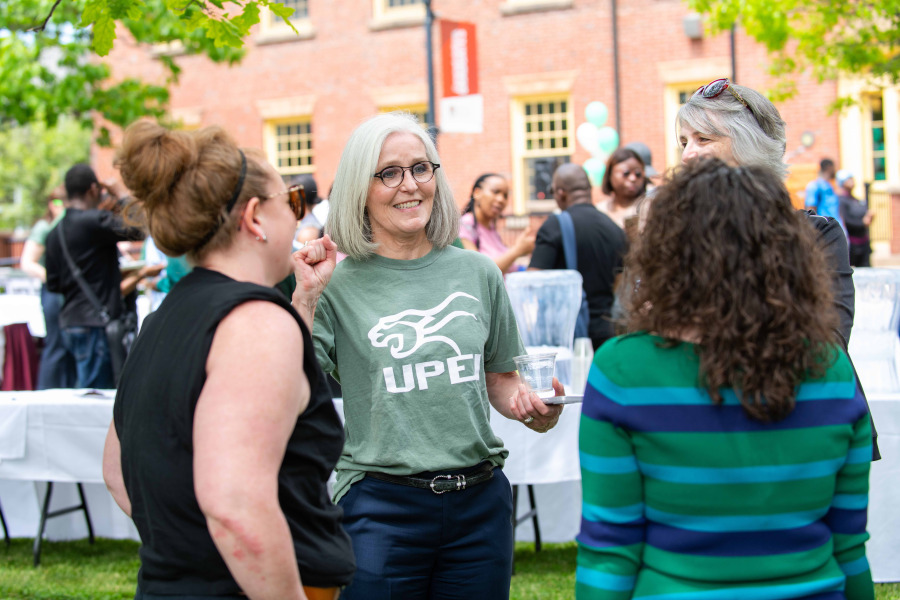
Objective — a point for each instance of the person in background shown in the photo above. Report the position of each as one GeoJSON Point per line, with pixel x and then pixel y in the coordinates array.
{"type": "Point", "coordinates": [600, 245]}
{"type": "Point", "coordinates": [741, 127]}
{"type": "Point", "coordinates": [654, 177]}
{"type": "Point", "coordinates": [820, 194]}
{"type": "Point", "coordinates": [310, 227]}
{"type": "Point", "coordinates": [725, 446]}
{"type": "Point", "coordinates": [856, 217]}
{"type": "Point", "coordinates": [422, 337]}
{"type": "Point", "coordinates": [91, 238]}
{"type": "Point", "coordinates": [625, 183]}
{"type": "Point", "coordinates": [223, 436]}
{"type": "Point", "coordinates": [57, 366]}
{"type": "Point", "coordinates": [478, 225]}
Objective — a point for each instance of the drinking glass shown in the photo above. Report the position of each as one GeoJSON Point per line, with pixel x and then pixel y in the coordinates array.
{"type": "Point", "coordinates": [536, 372]}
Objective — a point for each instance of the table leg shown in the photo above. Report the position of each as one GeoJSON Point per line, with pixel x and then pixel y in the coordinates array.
{"type": "Point", "coordinates": [5, 528]}
{"type": "Point", "coordinates": [87, 516]}
{"type": "Point", "coordinates": [38, 540]}
{"type": "Point", "coordinates": [531, 514]}
{"type": "Point", "coordinates": [46, 514]}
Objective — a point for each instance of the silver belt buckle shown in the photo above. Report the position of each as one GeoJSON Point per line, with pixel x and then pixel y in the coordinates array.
{"type": "Point", "coordinates": [460, 483]}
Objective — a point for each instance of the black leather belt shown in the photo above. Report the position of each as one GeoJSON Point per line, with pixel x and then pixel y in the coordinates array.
{"type": "Point", "coordinates": [440, 484]}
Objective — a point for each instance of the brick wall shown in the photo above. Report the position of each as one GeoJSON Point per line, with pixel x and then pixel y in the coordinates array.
{"type": "Point", "coordinates": [346, 61]}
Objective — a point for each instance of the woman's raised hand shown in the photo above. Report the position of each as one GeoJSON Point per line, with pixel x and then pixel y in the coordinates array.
{"type": "Point", "coordinates": [525, 242]}
{"type": "Point", "coordinates": [313, 265]}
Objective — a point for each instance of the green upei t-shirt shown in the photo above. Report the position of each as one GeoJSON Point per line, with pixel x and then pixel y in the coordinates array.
{"type": "Point", "coordinates": [410, 342]}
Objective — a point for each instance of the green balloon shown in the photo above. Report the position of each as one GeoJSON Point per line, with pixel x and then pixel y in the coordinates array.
{"type": "Point", "coordinates": [607, 140]}
{"type": "Point", "coordinates": [595, 169]}
{"type": "Point", "coordinates": [596, 113]}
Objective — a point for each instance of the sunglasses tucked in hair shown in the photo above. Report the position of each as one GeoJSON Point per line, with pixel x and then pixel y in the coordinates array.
{"type": "Point", "coordinates": [715, 88]}
{"type": "Point", "coordinates": [296, 198]}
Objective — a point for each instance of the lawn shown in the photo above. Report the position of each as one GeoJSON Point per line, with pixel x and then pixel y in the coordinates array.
{"type": "Point", "coordinates": [107, 570]}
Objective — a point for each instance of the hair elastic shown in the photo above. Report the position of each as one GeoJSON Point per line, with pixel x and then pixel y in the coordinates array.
{"type": "Point", "coordinates": [234, 196]}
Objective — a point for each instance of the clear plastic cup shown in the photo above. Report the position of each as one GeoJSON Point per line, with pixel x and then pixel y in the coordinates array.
{"type": "Point", "coordinates": [536, 372]}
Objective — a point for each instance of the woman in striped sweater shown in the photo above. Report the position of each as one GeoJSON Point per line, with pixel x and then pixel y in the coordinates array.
{"type": "Point", "coordinates": [725, 446]}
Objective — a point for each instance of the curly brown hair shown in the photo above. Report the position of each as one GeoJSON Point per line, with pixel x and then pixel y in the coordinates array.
{"type": "Point", "coordinates": [725, 261]}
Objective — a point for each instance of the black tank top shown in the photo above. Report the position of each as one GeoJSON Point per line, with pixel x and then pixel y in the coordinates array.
{"type": "Point", "coordinates": [154, 415]}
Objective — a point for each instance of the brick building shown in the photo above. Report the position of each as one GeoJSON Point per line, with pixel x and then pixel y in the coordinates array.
{"type": "Point", "coordinates": [539, 63]}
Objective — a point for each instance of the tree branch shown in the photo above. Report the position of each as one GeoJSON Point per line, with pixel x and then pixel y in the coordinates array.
{"type": "Point", "coordinates": [43, 25]}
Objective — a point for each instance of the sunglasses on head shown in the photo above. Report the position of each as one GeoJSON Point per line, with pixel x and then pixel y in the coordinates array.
{"type": "Point", "coordinates": [715, 88]}
{"type": "Point", "coordinates": [296, 199]}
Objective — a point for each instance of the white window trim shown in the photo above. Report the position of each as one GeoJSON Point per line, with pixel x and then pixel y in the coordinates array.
{"type": "Point", "coordinates": [188, 118]}
{"type": "Point", "coordinates": [516, 7]}
{"type": "Point", "coordinates": [670, 107]}
{"type": "Point", "coordinates": [390, 18]}
{"type": "Point", "coordinates": [273, 29]}
{"type": "Point", "coordinates": [855, 130]}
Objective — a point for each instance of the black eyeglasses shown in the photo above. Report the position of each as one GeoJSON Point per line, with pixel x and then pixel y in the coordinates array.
{"type": "Point", "coordinates": [422, 172]}
{"type": "Point", "coordinates": [714, 89]}
{"type": "Point", "coordinates": [296, 199]}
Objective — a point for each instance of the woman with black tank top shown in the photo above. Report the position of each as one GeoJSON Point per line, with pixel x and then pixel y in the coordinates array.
{"type": "Point", "coordinates": [220, 448]}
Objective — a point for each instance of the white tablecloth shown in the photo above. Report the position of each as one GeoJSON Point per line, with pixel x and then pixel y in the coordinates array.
{"type": "Point", "coordinates": [883, 548]}
{"type": "Point", "coordinates": [64, 435]}
{"type": "Point", "coordinates": [23, 308]}
{"type": "Point", "coordinates": [65, 432]}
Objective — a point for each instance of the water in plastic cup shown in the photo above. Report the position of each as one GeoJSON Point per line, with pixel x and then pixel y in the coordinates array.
{"type": "Point", "coordinates": [536, 372]}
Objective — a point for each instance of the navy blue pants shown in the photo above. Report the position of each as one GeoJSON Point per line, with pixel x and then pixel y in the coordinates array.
{"type": "Point", "coordinates": [57, 369]}
{"type": "Point", "coordinates": [413, 544]}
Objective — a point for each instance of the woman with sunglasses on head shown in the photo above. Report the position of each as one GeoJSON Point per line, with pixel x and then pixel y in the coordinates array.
{"type": "Point", "coordinates": [725, 447]}
{"type": "Point", "coordinates": [478, 225]}
{"type": "Point", "coordinates": [625, 184]}
{"type": "Point", "coordinates": [220, 447]}
{"type": "Point", "coordinates": [741, 127]}
{"type": "Point", "coordinates": [421, 336]}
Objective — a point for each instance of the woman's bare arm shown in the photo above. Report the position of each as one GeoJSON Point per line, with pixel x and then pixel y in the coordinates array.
{"type": "Point", "coordinates": [246, 413]}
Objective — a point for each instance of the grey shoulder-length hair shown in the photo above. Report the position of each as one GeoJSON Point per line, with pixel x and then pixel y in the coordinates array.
{"type": "Point", "coordinates": [348, 221]}
{"type": "Point", "coordinates": [757, 135]}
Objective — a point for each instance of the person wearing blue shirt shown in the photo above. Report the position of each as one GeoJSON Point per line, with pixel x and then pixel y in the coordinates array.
{"type": "Point", "coordinates": [820, 195]}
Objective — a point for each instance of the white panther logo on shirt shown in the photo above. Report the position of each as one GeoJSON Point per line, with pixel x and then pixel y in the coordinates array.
{"type": "Point", "coordinates": [421, 326]}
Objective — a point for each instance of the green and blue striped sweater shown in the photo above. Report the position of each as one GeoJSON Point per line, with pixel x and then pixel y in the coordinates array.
{"type": "Point", "coordinates": [683, 499]}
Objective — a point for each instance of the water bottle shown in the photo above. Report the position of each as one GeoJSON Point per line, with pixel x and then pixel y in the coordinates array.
{"type": "Point", "coordinates": [582, 357]}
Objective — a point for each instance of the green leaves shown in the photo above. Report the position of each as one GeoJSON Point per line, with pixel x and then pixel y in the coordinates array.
{"type": "Point", "coordinates": [33, 160]}
{"type": "Point", "coordinates": [824, 37]}
{"type": "Point", "coordinates": [221, 28]}
{"type": "Point", "coordinates": [52, 88]}
{"type": "Point", "coordinates": [104, 34]}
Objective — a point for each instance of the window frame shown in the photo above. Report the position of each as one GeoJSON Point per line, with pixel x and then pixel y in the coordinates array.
{"type": "Point", "coordinates": [523, 204]}
{"type": "Point", "coordinates": [420, 111]}
{"type": "Point", "coordinates": [270, 143]}
{"type": "Point", "coordinates": [671, 105]}
{"type": "Point", "coordinates": [273, 29]}
{"type": "Point", "coordinates": [388, 17]}
{"type": "Point", "coordinates": [517, 7]}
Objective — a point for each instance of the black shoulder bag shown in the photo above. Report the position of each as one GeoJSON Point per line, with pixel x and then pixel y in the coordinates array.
{"type": "Point", "coordinates": [120, 333]}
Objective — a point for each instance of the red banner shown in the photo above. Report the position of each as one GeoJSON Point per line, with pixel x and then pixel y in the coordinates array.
{"type": "Point", "coordinates": [459, 59]}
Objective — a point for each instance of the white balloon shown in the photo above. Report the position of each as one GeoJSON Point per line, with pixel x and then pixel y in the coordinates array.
{"type": "Point", "coordinates": [588, 136]}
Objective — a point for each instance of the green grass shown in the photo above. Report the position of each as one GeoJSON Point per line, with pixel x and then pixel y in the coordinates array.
{"type": "Point", "coordinates": [107, 570]}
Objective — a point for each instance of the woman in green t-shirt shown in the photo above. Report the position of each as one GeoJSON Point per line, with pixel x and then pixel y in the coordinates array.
{"type": "Point", "coordinates": [421, 336]}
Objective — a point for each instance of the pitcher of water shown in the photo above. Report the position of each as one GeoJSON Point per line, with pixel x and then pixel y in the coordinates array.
{"type": "Point", "coordinates": [546, 306]}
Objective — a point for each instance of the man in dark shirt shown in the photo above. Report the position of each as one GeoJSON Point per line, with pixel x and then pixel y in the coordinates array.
{"type": "Point", "coordinates": [599, 244]}
{"type": "Point", "coordinates": [91, 236]}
